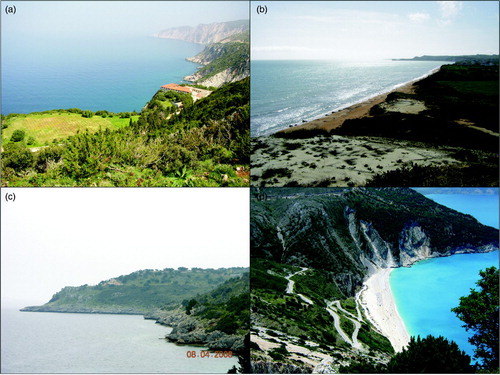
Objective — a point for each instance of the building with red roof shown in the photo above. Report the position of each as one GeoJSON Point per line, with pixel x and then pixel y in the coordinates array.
{"type": "Point", "coordinates": [176, 87]}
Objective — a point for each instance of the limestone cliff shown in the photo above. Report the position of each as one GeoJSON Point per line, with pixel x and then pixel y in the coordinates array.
{"type": "Point", "coordinates": [226, 57]}
{"type": "Point", "coordinates": [206, 33]}
{"type": "Point", "coordinates": [311, 251]}
{"type": "Point", "coordinates": [353, 232]}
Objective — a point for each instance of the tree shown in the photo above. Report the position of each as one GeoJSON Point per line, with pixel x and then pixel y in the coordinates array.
{"type": "Point", "coordinates": [430, 355]}
{"type": "Point", "coordinates": [17, 157]}
{"type": "Point", "coordinates": [243, 359]}
{"type": "Point", "coordinates": [479, 311]}
{"type": "Point", "coordinates": [192, 303]}
{"type": "Point", "coordinates": [87, 114]}
{"type": "Point", "coordinates": [17, 136]}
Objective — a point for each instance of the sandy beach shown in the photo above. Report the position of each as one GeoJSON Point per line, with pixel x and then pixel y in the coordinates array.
{"type": "Point", "coordinates": [335, 160]}
{"type": "Point", "coordinates": [336, 119]}
{"type": "Point", "coordinates": [378, 304]}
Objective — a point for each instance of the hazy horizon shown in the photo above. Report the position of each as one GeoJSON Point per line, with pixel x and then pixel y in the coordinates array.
{"type": "Point", "coordinates": [120, 18]}
{"type": "Point", "coordinates": [55, 237]}
{"type": "Point", "coordinates": [369, 30]}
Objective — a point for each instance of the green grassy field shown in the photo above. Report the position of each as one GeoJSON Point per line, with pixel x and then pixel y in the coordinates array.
{"type": "Point", "coordinates": [489, 88]}
{"type": "Point", "coordinates": [45, 128]}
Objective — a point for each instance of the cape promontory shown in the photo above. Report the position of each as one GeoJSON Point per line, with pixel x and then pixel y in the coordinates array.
{"type": "Point", "coordinates": [206, 33]}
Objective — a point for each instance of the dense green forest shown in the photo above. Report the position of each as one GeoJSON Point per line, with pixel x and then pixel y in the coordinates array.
{"type": "Point", "coordinates": [204, 144]}
{"type": "Point", "coordinates": [218, 319]}
{"type": "Point", "coordinates": [140, 291]}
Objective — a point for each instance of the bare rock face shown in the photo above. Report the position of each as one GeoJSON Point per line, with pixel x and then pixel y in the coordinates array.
{"type": "Point", "coordinates": [352, 234]}
{"type": "Point", "coordinates": [190, 330]}
{"type": "Point", "coordinates": [226, 76]}
{"type": "Point", "coordinates": [414, 245]}
{"type": "Point", "coordinates": [205, 33]}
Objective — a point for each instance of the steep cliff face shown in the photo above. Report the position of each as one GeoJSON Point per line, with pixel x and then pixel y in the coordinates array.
{"type": "Point", "coordinates": [223, 62]}
{"type": "Point", "coordinates": [414, 245]}
{"type": "Point", "coordinates": [353, 233]}
{"type": "Point", "coordinates": [311, 251]}
{"type": "Point", "coordinates": [206, 33]}
{"type": "Point", "coordinates": [226, 57]}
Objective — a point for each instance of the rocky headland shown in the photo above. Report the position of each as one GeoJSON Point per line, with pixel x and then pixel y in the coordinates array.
{"type": "Point", "coordinates": [206, 33]}
{"type": "Point", "coordinates": [190, 330]}
{"type": "Point", "coordinates": [338, 247]}
{"type": "Point", "coordinates": [217, 316]}
{"type": "Point", "coordinates": [226, 56]}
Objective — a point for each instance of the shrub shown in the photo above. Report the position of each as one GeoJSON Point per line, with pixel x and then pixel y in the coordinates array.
{"type": "Point", "coordinates": [47, 155]}
{"type": "Point", "coordinates": [279, 353]}
{"type": "Point", "coordinates": [87, 114]}
{"type": "Point", "coordinates": [17, 157]}
{"type": "Point", "coordinates": [103, 113]}
{"type": "Point", "coordinates": [430, 355]}
{"type": "Point", "coordinates": [18, 135]}
{"type": "Point", "coordinates": [174, 157]}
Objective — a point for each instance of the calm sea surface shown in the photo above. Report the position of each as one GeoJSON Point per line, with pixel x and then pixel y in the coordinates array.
{"type": "Point", "coordinates": [426, 291]}
{"type": "Point", "coordinates": [284, 93]}
{"type": "Point", "coordinates": [117, 74]}
{"type": "Point", "coordinates": [93, 343]}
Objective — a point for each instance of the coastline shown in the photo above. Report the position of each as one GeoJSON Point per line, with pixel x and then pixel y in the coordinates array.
{"type": "Point", "coordinates": [358, 110]}
{"type": "Point", "coordinates": [379, 306]}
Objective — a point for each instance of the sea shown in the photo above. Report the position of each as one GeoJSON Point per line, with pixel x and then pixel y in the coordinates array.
{"type": "Point", "coordinates": [286, 93]}
{"type": "Point", "coordinates": [35, 342]}
{"type": "Point", "coordinates": [118, 74]}
{"type": "Point", "coordinates": [426, 292]}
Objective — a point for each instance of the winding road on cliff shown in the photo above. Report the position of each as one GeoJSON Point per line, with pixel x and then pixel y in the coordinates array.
{"type": "Point", "coordinates": [291, 283]}
{"type": "Point", "coordinates": [332, 308]}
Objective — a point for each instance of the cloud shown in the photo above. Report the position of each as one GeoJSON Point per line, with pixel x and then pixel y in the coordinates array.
{"type": "Point", "coordinates": [449, 9]}
{"type": "Point", "coordinates": [418, 17]}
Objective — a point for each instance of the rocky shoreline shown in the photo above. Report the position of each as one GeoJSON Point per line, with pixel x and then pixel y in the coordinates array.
{"type": "Point", "coordinates": [189, 330]}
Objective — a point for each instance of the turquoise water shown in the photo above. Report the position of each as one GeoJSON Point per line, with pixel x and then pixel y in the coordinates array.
{"type": "Point", "coordinates": [284, 93]}
{"type": "Point", "coordinates": [113, 73]}
{"type": "Point", "coordinates": [425, 292]}
{"type": "Point", "coordinates": [484, 207]}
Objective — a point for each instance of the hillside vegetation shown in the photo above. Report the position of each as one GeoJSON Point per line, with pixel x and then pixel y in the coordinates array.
{"type": "Point", "coordinates": [311, 251]}
{"type": "Point", "coordinates": [230, 57]}
{"type": "Point", "coordinates": [209, 307]}
{"type": "Point", "coordinates": [219, 319]}
{"type": "Point", "coordinates": [49, 127]}
{"type": "Point", "coordinates": [139, 292]}
{"type": "Point", "coordinates": [461, 102]}
{"type": "Point", "coordinates": [205, 144]}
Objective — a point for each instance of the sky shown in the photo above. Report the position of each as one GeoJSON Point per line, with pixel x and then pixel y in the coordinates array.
{"type": "Point", "coordinates": [343, 30]}
{"type": "Point", "coordinates": [57, 237]}
{"type": "Point", "coordinates": [116, 17]}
